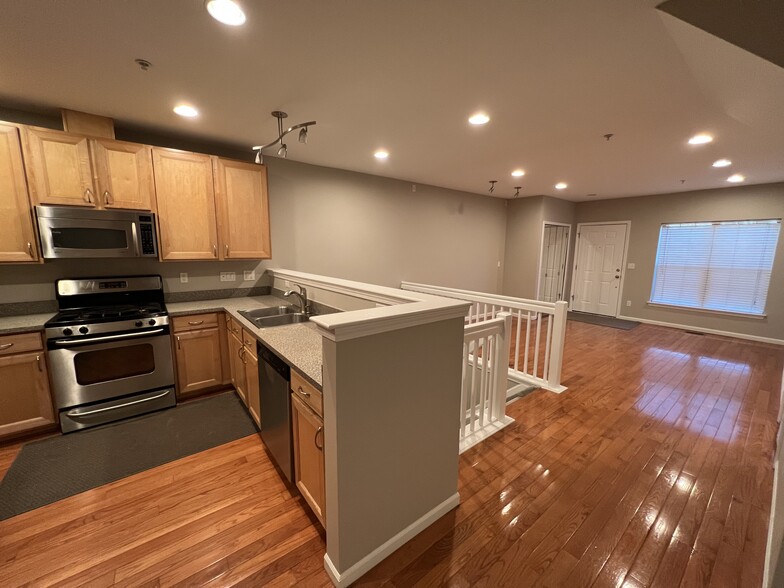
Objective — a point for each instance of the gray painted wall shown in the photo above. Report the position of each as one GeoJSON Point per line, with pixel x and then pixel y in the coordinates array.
{"type": "Point", "coordinates": [647, 213]}
{"type": "Point", "coordinates": [523, 242]}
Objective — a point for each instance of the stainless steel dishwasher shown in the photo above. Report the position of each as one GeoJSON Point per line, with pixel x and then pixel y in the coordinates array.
{"type": "Point", "coordinates": [274, 377]}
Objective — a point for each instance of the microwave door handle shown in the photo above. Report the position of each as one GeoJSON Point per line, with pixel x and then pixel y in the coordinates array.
{"type": "Point", "coordinates": [135, 237]}
{"type": "Point", "coordinates": [77, 342]}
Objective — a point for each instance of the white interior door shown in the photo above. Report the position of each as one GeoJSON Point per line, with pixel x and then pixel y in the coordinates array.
{"type": "Point", "coordinates": [555, 247]}
{"type": "Point", "coordinates": [597, 274]}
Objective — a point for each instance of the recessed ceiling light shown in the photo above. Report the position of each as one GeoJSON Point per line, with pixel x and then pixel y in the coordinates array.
{"type": "Point", "coordinates": [186, 110]}
{"type": "Point", "coordinates": [736, 178]}
{"type": "Point", "coordinates": [722, 163]}
{"type": "Point", "coordinates": [561, 186]}
{"type": "Point", "coordinates": [381, 154]}
{"type": "Point", "coordinates": [700, 139]}
{"type": "Point", "coordinates": [480, 118]}
{"type": "Point", "coordinates": [518, 173]}
{"type": "Point", "coordinates": [226, 11]}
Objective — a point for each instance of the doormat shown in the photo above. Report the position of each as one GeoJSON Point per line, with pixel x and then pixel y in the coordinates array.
{"type": "Point", "coordinates": [598, 319]}
{"type": "Point", "coordinates": [51, 469]}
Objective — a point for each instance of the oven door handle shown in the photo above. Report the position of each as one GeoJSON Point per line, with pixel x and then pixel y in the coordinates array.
{"type": "Point", "coordinates": [76, 413]}
{"type": "Point", "coordinates": [78, 342]}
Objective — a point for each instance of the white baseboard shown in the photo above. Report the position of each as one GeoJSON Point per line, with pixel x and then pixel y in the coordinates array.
{"type": "Point", "coordinates": [376, 556]}
{"type": "Point", "coordinates": [703, 330]}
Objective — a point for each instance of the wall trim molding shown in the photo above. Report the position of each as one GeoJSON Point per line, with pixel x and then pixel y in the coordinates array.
{"type": "Point", "coordinates": [704, 330]}
{"type": "Point", "coordinates": [381, 552]}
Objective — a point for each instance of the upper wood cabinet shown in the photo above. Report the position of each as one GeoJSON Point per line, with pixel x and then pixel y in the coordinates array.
{"type": "Point", "coordinates": [58, 168]}
{"type": "Point", "coordinates": [17, 237]}
{"type": "Point", "coordinates": [65, 168]}
{"type": "Point", "coordinates": [186, 205]}
{"type": "Point", "coordinates": [124, 174]}
{"type": "Point", "coordinates": [243, 205]}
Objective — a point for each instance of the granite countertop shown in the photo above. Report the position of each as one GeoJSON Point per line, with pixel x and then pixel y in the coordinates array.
{"type": "Point", "coordinates": [299, 345]}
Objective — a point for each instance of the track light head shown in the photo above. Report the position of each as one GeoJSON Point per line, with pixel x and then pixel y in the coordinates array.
{"type": "Point", "coordinates": [259, 157]}
{"type": "Point", "coordinates": [283, 151]}
{"type": "Point", "coordinates": [303, 135]}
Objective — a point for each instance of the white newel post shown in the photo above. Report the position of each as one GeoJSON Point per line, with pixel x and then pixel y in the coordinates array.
{"type": "Point", "coordinates": [557, 346]}
{"type": "Point", "coordinates": [501, 361]}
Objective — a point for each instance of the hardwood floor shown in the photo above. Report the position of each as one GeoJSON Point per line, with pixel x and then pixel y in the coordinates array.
{"type": "Point", "coordinates": [653, 469]}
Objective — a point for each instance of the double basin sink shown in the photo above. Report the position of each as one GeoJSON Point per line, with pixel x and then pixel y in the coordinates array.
{"type": "Point", "coordinates": [275, 316]}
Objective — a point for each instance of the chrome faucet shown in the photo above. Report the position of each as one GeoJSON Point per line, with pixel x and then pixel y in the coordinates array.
{"type": "Point", "coordinates": [302, 296]}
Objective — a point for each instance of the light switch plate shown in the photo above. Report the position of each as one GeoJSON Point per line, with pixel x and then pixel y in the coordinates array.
{"type": "Point", "coordinates": [628, 303]}
{"type": "Point", "coordinates": [183, 277]}
{"type": "Point", "coordinates": [228, 276]}
{"type": "Point", "coordinates": [249, 275]}
{"type": "Point", "coordinates": [630, 265]}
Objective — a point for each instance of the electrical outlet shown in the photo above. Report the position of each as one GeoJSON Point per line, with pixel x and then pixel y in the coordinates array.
{"type": "Point", "coordinates": [499, 264]}
{"type": "Point", "coordinates": [183, 277]}
{"type": "Point", "coordinates": [630, 265]}
{"type": "Point", "coordinates": [413, 187]}
{"type": "Point", "coordinates": [628, 303]}
{"type": "Point", "coordinates": [249, 275]}
{"type": "Point", "coordinates": [228, 276]}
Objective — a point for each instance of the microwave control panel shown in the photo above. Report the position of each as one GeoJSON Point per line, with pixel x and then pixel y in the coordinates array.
{"type": "Point", "coordinates": [147, 239]}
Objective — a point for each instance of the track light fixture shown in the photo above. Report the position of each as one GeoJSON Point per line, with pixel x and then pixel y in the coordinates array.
{"type": "Point", "coordinates": [492, 185]}
{"type": "Point", "coordinates": [283, 150]}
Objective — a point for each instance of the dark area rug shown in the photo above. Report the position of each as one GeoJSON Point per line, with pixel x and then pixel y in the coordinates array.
{"type": "Point", "coordinates": [598, 319]}
{"type": "Point", "coordinates": [52, 469]}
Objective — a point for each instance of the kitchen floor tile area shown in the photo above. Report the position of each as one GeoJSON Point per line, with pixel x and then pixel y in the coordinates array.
{"type": "Point", "coordinates": [653, 469]}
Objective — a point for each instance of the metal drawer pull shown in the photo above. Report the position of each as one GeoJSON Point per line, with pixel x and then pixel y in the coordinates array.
{"type": "Point", "coordinates": [315, 439]}
{"type": "Point", "coordinates": [194, 323]}
{"type": "Point", "coordinates": [301, 391]}
{"type": "Point", "coordinates": [75, 413]}
{"type": "Point", "coordinates": [6, 346]}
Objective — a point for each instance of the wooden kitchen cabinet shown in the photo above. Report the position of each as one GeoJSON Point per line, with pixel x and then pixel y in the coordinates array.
{"type": "Point", "coordinates": [245, 368]}
{"type": "Point", "coordinates": [17, 237]}
{"type": "Point", "coordinates": [236, 349]}
{"type": "Point", "coordinates": [75, 170]}
{"type": "Point", "coordinates": [243, 207]}
{"type": "Point", "coordinates": [25, 399]}
{"type": "Point", "coordinates": [308, 433]}
{"type": "Point", "coordinates": [252, 383]}
{"type": "Point", "coordinates": [200, 353]}
{"type": "Point", "coordinates": [187, 225]}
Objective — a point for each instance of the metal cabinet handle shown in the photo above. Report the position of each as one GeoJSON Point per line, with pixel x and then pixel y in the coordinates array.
{"type": "Point", "coordinates": [40, 366]}
{"type": "Point", "coordinates": [6, 346]}
{"type": "Point", "coordinates": [107, 197]}
{"type": "Point", "coordinates": [227, 249]}
{"type": "Point", "coordinates": [88, 195]}
{"type": "Point", "coordinates": [30, 249]}
{"type": "Point", "coordinates": [301, 391]}
{"type": "Point", "coordinates": [242, 355]}
{"type": "Point", "coordinates": [178, 342]}
{"type": "Point", "coordinates": [76, 413]}
{"type": "Point", "coordinates": [215, 251]}
{"type": "Point", "coordinates": [315, 439]}
{"type": "Point", "coordinates": [194, 323]}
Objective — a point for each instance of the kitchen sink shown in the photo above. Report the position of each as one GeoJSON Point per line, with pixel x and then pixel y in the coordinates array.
{"type": "Point", "coordinates": [252, 315]}
{"type": "Point", "coordinates": [280, 319]}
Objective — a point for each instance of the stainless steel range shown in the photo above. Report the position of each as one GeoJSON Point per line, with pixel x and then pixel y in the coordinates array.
{"type": "Point", "coordinates": [109, 350]}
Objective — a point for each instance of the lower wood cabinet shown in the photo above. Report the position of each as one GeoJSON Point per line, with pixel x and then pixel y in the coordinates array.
{"type": "Point", "coordinates": [308, 432]}
{"type": "Point", "coordinates": [238, 377]}
{"type": "Point", "coordinates": [244, 367]}
{"type": "Point", "coordinates": [200, 353]}
{"type": "Point", "coordinates": [25, 399]}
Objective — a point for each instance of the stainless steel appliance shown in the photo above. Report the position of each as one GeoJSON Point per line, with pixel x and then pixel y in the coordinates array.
{"type": "Point", "coordinates": [109, 350]}
{"type": "Point", "coordinates": [274, 377]}
{"type": "Point", "coordinates": [68, 231]}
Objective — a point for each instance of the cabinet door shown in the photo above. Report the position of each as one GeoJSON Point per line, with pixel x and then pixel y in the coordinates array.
{"type": "Point", "coordinates": [17, 237]}
{"type": "Point", "coordinates": [124, 174]}
{"type": "Point", "coordinates": [309, 455]}
{"type": "Point", "coordinates": [241, 193]}
{"type": "Point", "coordinates": [25, 401]}
{"type": "Point", "coordinates": [236, 351]}
{"type": "Point", "coordinates": [198, 355]}
{"type": "Point", "coordinates": [186, 205]}
{"type": "Point", "coordinates": [252, 385]}
{"type": "Point", "coordinates": [58, 168]}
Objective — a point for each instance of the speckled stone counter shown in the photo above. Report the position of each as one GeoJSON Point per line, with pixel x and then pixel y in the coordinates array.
{"type": "Point", "coordinates": [299, 345]}
{"type": "Point", "coordinates": [23, 323]}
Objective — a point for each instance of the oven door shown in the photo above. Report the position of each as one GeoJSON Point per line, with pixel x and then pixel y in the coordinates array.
{"type": "Point", "coordinates": [67, 237]}
{"type": "Point", "coordinates": [106, 366]}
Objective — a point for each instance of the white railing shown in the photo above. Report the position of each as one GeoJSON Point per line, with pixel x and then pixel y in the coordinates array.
{"type": "Point", "coordinates": [483, 393]}
{"type": "Point", "coordinates": [537, 346]}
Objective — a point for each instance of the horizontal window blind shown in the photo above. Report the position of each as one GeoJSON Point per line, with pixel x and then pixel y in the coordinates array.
{"type": "Point", "coordinates": [722, 266]}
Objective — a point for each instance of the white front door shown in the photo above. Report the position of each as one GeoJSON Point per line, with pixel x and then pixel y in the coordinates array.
{"type": "Point", "coordinates": [597, 274]}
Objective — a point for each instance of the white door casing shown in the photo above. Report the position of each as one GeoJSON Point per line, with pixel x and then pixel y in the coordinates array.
{"type": "Point", "coordinates": [599, 264]}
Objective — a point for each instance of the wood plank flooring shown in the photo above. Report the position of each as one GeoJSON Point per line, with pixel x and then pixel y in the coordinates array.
{"type": "Point", "coordinates": [653, 469]}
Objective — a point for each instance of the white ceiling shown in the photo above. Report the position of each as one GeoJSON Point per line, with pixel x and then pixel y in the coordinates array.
{"type": "Point", "coordinates": [554, 75]}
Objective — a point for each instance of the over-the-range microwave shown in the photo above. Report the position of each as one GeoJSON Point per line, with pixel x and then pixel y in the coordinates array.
{"type": "Point", "coordinates": [68, 232]}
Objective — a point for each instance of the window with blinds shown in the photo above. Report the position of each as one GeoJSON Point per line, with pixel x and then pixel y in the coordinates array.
{"type": "Point", "coordinates": [723, 266]}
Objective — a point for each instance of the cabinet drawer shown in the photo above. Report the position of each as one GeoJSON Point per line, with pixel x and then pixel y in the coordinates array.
{"type": "Point", "coordinates": [233, 326]}
{"type": "Point", "coordinates": [194, 322]}
{"type": "Point", "coordinates": [307, 392]}
{"type": "Point", "coordinates": [20, 343]}
{"type": "Point", "coordinates": [249, 341]}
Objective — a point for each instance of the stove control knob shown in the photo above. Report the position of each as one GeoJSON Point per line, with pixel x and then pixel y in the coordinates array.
{"type": "Point", "coordinates": [151, 322]}
{"type": "Point", "coordinates": [83, 330]}
{"type": "Point", "coordinates": [67, 332]}
{"type": "Point", "coordinates": [138, 323]}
